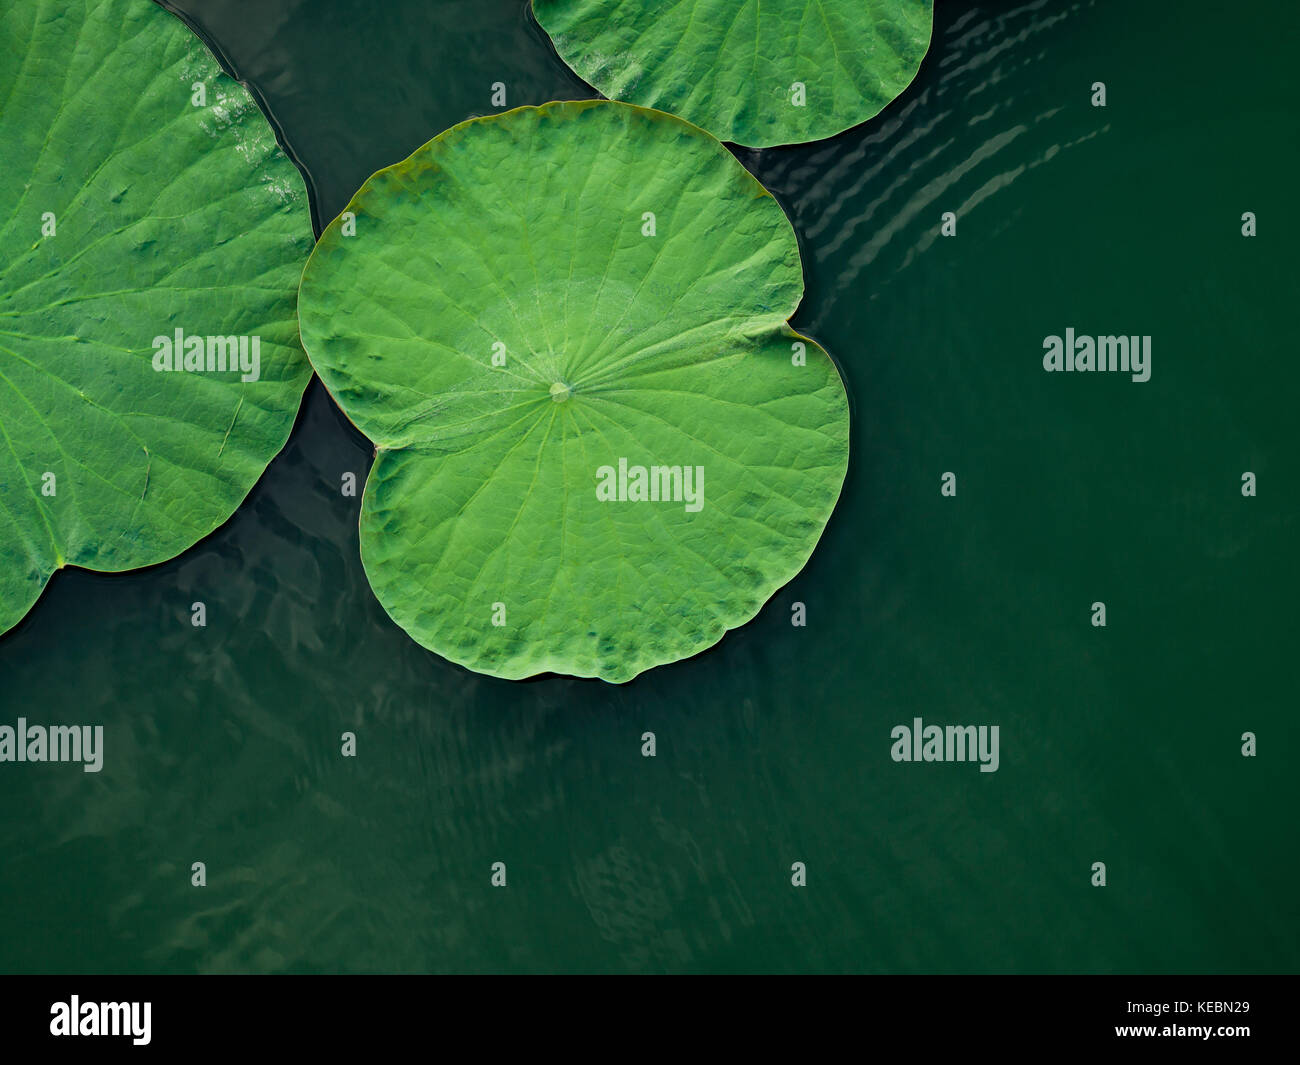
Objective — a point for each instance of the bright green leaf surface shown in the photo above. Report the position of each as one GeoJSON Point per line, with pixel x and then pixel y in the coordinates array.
{"type": "Point", "coordinates": [524, 236]}
{"type": "Point", "coordinates": [756, 72]}
{"type": "Point", "coordinates": [128, 212]}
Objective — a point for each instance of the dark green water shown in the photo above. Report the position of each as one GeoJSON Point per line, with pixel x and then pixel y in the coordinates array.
{"type": "Point", "coordinates": [1118, 744]}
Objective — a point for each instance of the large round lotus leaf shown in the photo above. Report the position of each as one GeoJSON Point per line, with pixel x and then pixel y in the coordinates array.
{"type": "Point", "coordinates": [141, 193]}
{"type": "Point", "coordinates": [756, 72]}
{"type": "Point", "coordinates": [539, 318]}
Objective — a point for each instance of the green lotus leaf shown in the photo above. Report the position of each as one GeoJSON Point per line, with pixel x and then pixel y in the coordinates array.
{"type": "Point", "coordinates": [143, 201]}
{"type": "Point", "coordinates": [755, 72]}
{"type": "Point", "coordinates": [598, 444]}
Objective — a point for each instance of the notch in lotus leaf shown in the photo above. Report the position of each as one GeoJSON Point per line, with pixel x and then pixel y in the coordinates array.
{"type": "Point", "coordinates": [755, 72]}
{"type": "Point", "coordinates": [599, 443]}
{"type": "Point", "coordinates": [153, 237]}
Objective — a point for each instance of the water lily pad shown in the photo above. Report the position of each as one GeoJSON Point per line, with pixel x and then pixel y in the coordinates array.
{"type": "Point", "coordinates": [756, 72]}
{"type": "Point", "coordinates": [143, 200]}
{"type": "Point", "coordinates": [524, 315]}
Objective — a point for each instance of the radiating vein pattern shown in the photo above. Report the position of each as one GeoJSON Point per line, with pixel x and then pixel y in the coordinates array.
{"type": "Point", "coordinates": [755, 72]}
{"type": "Point", "coordinates": [142, 195]}
{"type": "Point", "coordinates": [536, 297]}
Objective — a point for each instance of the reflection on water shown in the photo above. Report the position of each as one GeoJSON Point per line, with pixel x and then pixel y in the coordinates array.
{"type": "Point", "coordinates": [1118, 744]}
